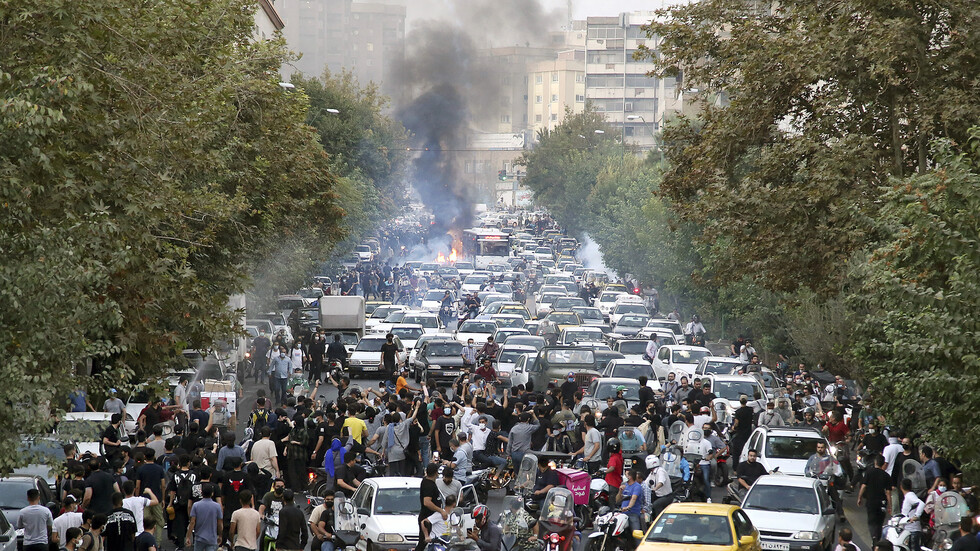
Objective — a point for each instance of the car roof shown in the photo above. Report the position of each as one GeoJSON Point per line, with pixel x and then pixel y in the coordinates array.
{"type": "Point", "coordinates": [792, 431]}
{"type": "Point", "coordinates": [395, 482]}
{"type": "Point", "coordinates": [716, 377]}
{"type": "Point", "coordinates": [783, 480]}
{"type": "Point", "coordinates": [627, 361]}
{"type": "Point", "coordinates": [718, 509]}
{"type": "Point", "coordinates": [683, 347]}
{"type": "Point", "coordinates": [373, 337]}
{"type": "Point", "coordinates": [618, 381]}
{"type": "Point", "coordinates": [722, 359]}
{"type": "Point", "coordinates": [407, 326]}
{"type": "Point", "coordinates": [517, 347]}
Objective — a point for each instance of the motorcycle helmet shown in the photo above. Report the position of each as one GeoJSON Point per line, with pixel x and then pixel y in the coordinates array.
{"type": "Point", "coordinates": [613, 445]}
{"type": "Point", "coordinates": [480, 513]}
{"type": "Point", "coordinates": [808, 410]}
{"type": "Point", "coordinates": [652, 462]}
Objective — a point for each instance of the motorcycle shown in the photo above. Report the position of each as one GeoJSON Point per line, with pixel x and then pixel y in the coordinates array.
{"type": "Point", "coordinates": [557, 524]}
{"type": "Point", "coordinates": [515, 524]}
{"type": "Point", "coordinates": [456, 540]}
{"type": "Point", "coordinates": [611, 533]}
{"type": "Point", "coordinates": [897, 534]}
{"type": "Point", "coordinates": [950, 508]}
{"type": "Point", "coordinates": [346, 532]}
{"type": "Point", "coordinates": [335, 369]}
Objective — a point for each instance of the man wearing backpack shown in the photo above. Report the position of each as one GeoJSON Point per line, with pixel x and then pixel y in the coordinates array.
{"type": "Point", "coordinates": [180, 492]}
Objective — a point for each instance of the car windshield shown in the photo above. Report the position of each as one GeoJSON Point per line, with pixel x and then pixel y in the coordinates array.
{"type": "Point", "coordinates": [568, 302]}
{"type": "Point", "coordinates": [409, 333]}
{"type": "Point", "coordinates": [587, 313]}
{"type": "Point", "coordinates": [732, 390]}
{"type": "Point", "coordinates": [632, 371]}
{"type": "Point", "coordinates": [464, 265]}
{"type": "Point", "coordinates": [428, 322]}
{"type": "Point", "coordinates": [791, 447]}
{"type": "Point", "coordinates": [784, 499]}
{"type": "Point", "coordinates": [510, 322]}
{"type": "Point", "coordinates": [445, 349]}
{"type": "Point", "coordinates": [13, 494]}
{"type": "Point", "coordinates": [383, 312]}
{"type": "Point", "coordinates": [718, 367]}
{"type": "Point", "coordinates": [510, 356]}
{"type": "Point", "coordinates": [630, 309]}
{"type": "Point", "coordinates": [611, 297]}
{"type": "Point", "coordinates": [563, 318]}
{"type": "Point", "coordinates": [369, 345]}
{"type": "Point", "coordinates": [527, 340]}
{"type": "Point", "coordinates": [633, 347]}
{"type": "Point", "coordinates": [475, 279]}
{"type": "Point", "coordinates": [429, 267]}
{"type": "Point", "coordinates": [570, 356]}
{"type": "Point", "coordinates": [395, 317]}
{"type": "Point", "coordinates": [691, 529]}
{"type": "Point", "coordinates": [477, 327]}
{"type": "Point", "coordinates": [311, 293]}
{"type": "Point", "coordinates": [604, 391]}
{"type": "Point", "coordinates": [583, 336]}
{"type": "Point", "coordinates": [348, 338]}
{"type": "Point", "coordinates": [549, 297]}
{"type": "Point", "coordinates": [503, 287]}
{"type": "Point", "coordinates": [688, 356]}
{"type": "Point", "coordinates": [434, 295]}
{"type": "Point", "coordinates": [397, 501]}
{"type": "Point", "coordinates": [362, 249]}
{"type": "Point", "coordinates": [632, 320]}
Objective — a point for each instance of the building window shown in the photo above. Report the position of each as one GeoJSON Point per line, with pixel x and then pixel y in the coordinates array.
{"type": "Point", "coordinates": [537, 99]}
{"type": "Point", "coordinates": [579, 77]}
{"type": "Point", "coordinates": [554, 116]}
{"type": "Point", "coordinates": [579, 98]}
{"type": "Point", "coordinates": [537, 118]}
{"type": "Point", "coordinates": [468, 169]}
{"type": "Point", "coordinates": [505, 118]}
{"type": "Point", "coordinates": [554, 77]}
{"type": "Point", "coordinates": [554, 98]}
{"type": "Point", "coordinates": [537, 79]}
{"type": "Point", "coordinates": [369, 46]}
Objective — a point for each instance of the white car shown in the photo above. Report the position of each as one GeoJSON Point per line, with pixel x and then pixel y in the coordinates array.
{"type": "Point", "coordinates": [432, 300]}
{"type": "Point", "coordinates": [408, 334]}
{"type": "Point", "coordinates": [664, 336]}
{"type": "Point", "coordinates": [508, 320]}
{"type": "Point", "coordinates": [364, 253]}
{"type": "Point", "coordinates": [85, 428]}
{"type": "Point", "coordinates": [366, 357]}
{"type": "Point", "coordinates": [721, 365]}
{"type": "Point", "coordinates": [607, 301]}
{"type": "Point", "coordinates": [464, 268]}
{"type": "Point", "coordinates": [473, 282]}
{"type": "Point", "coordinates": [633, 349]}
{"type": "Point", "coordinates": [507, 359]}
{"type": "Point", "coordinates": [382, 312]}
{"type": "Point", "coordinates": [478, 330]}
{"type": "Point", "coordinates": [428, 269]}
{"type": "Point", "coordinates": [678, 358]}
{"type": "Point", "coordinates": [590, 315]}
{"type": "Point", "coordinates": [673, 326]}
{"type": "Point", "coordinates": [622, 308]}
{"type": "Point", "coordinates": [788, 448]}
{"type": "Point", "coordinates": [430, 322]}
{"type": "Point", "coordinates": [543, 303]}
{"type": "Point", "coordinates": [631, 369]}
{"type": "Point", "coordinates": [545, 289]}
{"type": "Point", "coordinates": [388, 509]}
{"type": "Point", "coordinates": [733, 387]}
{"type": "Point", "coordinates": [544, 254]}
{"type": "Point", "coordinates": [791, 512]}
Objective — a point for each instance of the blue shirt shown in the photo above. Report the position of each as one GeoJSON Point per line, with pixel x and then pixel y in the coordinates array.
{"type": "Point", "coordinates": [462, 462]}
{"type": "Point", "coordinates": [280, 367]}
{"type": "Point", "coordinates": [207, 512]}
{"type": "Point", "coordinates": [633, 489]}
{"type": "Point", "coordinates": [78, 398]}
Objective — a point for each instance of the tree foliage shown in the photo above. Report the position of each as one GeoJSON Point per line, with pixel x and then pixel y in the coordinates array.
{"type": "Point", "coordinates": [827, 102]}
{"type": "Point", "coordinates": [149, 161]}
{"type": "Point", "coordinates": [919, 327]}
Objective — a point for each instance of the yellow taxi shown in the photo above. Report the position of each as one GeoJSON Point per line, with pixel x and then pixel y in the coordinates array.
{"type": "Point", "coordinates": [564, 320]}
{"type": "Point", "coordinates": [618, 287]}
{"type": "Point", "coordinates": [518, 309]}
{"type": "Point", "coordinates": [700, 527]}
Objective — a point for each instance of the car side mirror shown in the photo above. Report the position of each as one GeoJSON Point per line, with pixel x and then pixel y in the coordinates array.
{"type": "Point", "coordinates": [638, 534]}
{"type": "Point", "coordinates": [363, 511]}
{"type": "Point", "coordinates": [829, 510]}
{"type": "Point", "coordinates": [746, 540]}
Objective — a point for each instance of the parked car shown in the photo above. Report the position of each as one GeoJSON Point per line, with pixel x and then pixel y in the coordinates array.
{"type": "Point", "coordinates": [507, 360]}
{"type": "Point", "coordinates": [478, 330]}
{"type": "Point", "coordinates": [13, 499]}
{"type": "Point", "coordinates": [8, 537]}
{"type": "Point", "coordinates": [710, 365]}
{"type": "Point", "coordinates": [732, 387]}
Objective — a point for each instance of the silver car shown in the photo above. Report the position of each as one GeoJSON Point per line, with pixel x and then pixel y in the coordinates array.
{"type": "Point", "coordinates": [792, 513]}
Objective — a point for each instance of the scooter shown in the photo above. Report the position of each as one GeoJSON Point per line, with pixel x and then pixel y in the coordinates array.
{"type": "Point", "coordinates": [611, 532]}
{"type": "Point", "coordinates": [896, 533]}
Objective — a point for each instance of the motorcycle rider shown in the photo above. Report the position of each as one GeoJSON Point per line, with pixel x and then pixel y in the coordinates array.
{"type": "Point", "coordinates": [912, 508]}
{"type": "Point", "coordinates": [545, 480]}
{"type": "Point", "coordinates": [486, 534]}
{"type": "Point", "coordinates": [336, 351]}
{"type": "Point", "coordinates": [822, 463]}
{"type": "Point", "coordinates": [748, 472]}
{"type": "Point", "coordinates": [694, 328]}
{"type": "Point", "coordinates": [490, 349]}
{"type": "Point", "coordinates": [487, 371]}
{"type": "Point", "coordinates": [631, 500]}
{"type": "Point", "coordinates": [769, 417]}
{"type": "Point", "coordinates": [810, 420]}
{"type": "Point", "coordinates": [659, 493]}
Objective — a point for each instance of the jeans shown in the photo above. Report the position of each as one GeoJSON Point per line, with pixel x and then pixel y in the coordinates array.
{"type": "Point", "coordinates": [636, 523]}
{"type": "Point", "coordinates": [516, 458]}
{"type": "Point", "coordinates": [426, 450]}
{"type": "Point", "coordinates": [204, 546]}
{"type": "Point", "coordinates": [706, 477]}
{"type": "Point", "coordinates": [481, 457]}
{"type": "Point", "coordinates": [280, 391]}
{"type": "Point", "coordinates": [327, 545]}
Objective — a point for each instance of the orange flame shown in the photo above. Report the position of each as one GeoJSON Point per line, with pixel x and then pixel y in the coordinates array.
{"type": "Point", "coordinates": [452, 256]}
{"type": "Point", "coordinates": [441, 258]}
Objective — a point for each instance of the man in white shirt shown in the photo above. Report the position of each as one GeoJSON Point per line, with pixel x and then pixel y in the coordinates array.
{"type": "Point", "coordinates": [658, 493]}
{"type": "Point", "coordinates": [264, 453]}
{"type": "Point", "coordinates": [71, 518]}
{"type": "Point", "coordinates": [890, 453]}
{"type": "Point", "coordinates": [912, 508]}
{"type": "Point", "coordinates": [652, 347]}
{"type": "Point", "coordinates": [136, 504]}
{"type": "Point", "coordinates": [707, 454]}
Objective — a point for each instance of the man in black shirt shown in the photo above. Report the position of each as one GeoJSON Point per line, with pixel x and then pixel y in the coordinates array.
{"type": "Point", "coordinates": [99, 488]}
{"type": "Point", "coordinates": [706, 396]}
{"type": "Point", "coordinates": [293, 533]}
{"type": "Point", "coordinates": [568, 388]}
{"type": "Point", "coordinates": [347, 479]}
{"type": "Point", "coordinates": [646, 393]}
{"type": "Point", "coordinates": [429, 500]}
{"type": "Point", "coordinates": [389, 356]}
{"type": "Point", "coordinates": [444, 428]}
{"type": "Point", "coordinates": [876, 492]}
{"type": "Point", "coordinates": [337, 351]}
{"type": "Point", "coordinates": [966, 541]}
{"type": "Point", "coordinates": [741, 428]}
{"type": "Point", "coordinates": [545, 480]}
{"type": "Point", "coordinates": [750, 470]}
{"type": "Point", "coordinates": [120, 526]}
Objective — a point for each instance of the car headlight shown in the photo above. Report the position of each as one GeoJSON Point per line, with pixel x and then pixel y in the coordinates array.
{"type": "Point", "coordinates": [390, 538]}
{"type": "Point", "coordinates": [355, 362]}
{"type": "Point", "coordinates": [433, 366]}
{"type": "Point", "coordinates": [806, 535]}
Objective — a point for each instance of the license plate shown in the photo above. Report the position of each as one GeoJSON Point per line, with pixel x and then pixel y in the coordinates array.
{"type": "Point", "coordinates": [451, 373]}
{"type": "Point", "coordinates": [369, 368]}
{"type": "Point", "coordinates": [774, 546]}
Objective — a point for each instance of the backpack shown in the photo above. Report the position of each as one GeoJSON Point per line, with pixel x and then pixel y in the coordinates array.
{"type": "Point", "coordinates": [258, 419]}
{"type": "Point", "coordinates": [184, 481]}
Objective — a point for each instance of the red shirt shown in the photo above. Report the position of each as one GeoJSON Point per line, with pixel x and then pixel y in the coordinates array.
{"type": "Point", "coordinates": [615, 477]}
{"type": "Point", "coordinates": [488, 373]}
{"type": "Point", "coordinates": [836, 433]}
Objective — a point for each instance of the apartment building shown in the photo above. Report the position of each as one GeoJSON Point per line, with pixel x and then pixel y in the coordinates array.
{"type": "Point", "coordinates": [555, 88]}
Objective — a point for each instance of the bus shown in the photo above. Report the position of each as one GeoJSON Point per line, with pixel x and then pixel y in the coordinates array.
{"type": "Point", "coordinates": [485, 246]}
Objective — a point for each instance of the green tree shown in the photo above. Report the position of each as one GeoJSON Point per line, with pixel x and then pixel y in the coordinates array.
{"type": "Point", "coordinates": [149, 161]}
{"type": "Point", "coordinates": [918, 302]}
{"type": "Point", "coordinates": [827, 101]}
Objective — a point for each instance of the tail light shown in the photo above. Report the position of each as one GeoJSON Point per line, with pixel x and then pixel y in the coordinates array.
{"type": "Point", "coordinates": [311, 475]}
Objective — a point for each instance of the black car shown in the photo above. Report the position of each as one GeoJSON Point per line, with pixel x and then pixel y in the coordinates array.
{"type": "Point", "coordinates": [13, 496]}
{"type": "Point", "coordinates": [303, 321]}
{"type": "Point", "coordinates": [441, 360]}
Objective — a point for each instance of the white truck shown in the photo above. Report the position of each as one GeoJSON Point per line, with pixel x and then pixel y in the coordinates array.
{"type": "Point", "coordinates": [343, 315]}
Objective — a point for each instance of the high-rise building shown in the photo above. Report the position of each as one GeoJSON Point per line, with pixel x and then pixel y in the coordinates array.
{"type": "Point", "coordinates": [377, 37]}
{"type": "Point", "coordinates": [510, 66]}
{"type": "Point", "coordinates": [317, 29]}
{"type": "Point", "coordinates": [555, 87]}
{"type": "Point", "coordinates": [619, 86]}
{"type": "Point", "coordinates": [267, 21]}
